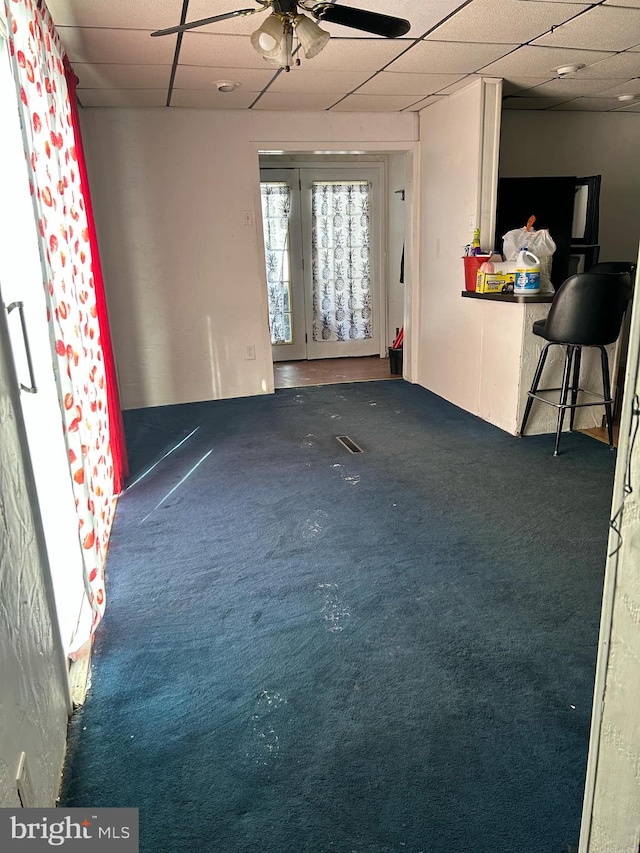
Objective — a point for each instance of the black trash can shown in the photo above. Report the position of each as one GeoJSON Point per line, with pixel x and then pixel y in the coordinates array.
{"type": "Point", "coordinates": [395, 361]}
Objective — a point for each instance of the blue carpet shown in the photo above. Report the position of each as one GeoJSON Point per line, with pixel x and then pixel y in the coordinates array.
{"type": "Point", "coordinates": [308, 650]}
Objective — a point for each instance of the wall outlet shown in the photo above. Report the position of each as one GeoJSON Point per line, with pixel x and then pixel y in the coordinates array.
{"type": "Point", "coordinates": [248, 217]}
{"type": "Point", "coordinates": [472, 223]}
{"type": "Point", "coordinates": [250, 353]}
{"type": "Point", "coordinates": [23, 783]}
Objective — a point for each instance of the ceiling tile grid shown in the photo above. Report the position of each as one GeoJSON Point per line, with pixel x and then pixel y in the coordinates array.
{"type": "Point", "coordinates": [504, 21]}
{"type": "Point", "coordinates": [445, 57]}
{"type": "Point", "coordinates": [108, 76]}
{"type": "Point", "coordinates": [590, 104]}
{"type": "Point", "coordinates": [617, 28]}
{"type": "Point", "coordinates": [570, 88]}
{"type": "Point", "coordinates": [306, 80]}
{"type": "Point", "coordinates": [204, 78]}
{"type": "Point", "coordinates": [449, 45]}
{"type": "Point", "coordinates": [376, 103]}
{"type": "Point", "coordinates": [420, 85]}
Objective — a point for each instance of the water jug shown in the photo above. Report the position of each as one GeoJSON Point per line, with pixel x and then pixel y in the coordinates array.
{"type": "Point", "coordinates": [527, 273]}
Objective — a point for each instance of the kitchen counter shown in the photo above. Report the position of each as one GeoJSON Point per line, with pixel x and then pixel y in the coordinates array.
{"type": "Point", "coordinates": [506, 360]}
{"type": "Point", "coordinates": [509, 297]}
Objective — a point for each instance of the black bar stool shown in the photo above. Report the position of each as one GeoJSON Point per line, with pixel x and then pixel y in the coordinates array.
{"type": "Point", "coordinates": [586, 311]}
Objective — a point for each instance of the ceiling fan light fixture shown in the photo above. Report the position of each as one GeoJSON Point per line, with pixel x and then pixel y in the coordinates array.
{"type": "Point", "coordinates": [311, 37]}
{"type": "Point", "coordinates": [268, 38]}
{"type": "Point", "coordinates": [283, 57]}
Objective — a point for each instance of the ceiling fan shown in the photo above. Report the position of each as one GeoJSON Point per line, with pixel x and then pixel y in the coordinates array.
{"type": "Point", "coordinates": [274, 38]}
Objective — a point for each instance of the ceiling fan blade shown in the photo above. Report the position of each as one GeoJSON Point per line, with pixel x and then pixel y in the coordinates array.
{"type": "Point", "coordinates": [360, 19]}
{"type": "Point", "coordinates": [203, 21]}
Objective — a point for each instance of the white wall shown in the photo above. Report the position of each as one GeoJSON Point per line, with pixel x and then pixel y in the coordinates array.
{"type": "Point", "coordinates": [33, 692]}
{"type": "Point", "coordinates": [449, 186]}
{"type": "Point", "coordinates": [535, 143]}
{"type": "Point", "coordinates": [183, 272]}
{"type": "Point", "coordinates": [454, 330]}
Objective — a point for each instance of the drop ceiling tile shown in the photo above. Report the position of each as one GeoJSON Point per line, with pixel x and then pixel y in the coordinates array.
{"type": "Point", "coordinates": [220, 51]}
{"type": "Point", "coordinates": [462, 83]}
{"type": "Point", "coordinates": [283, 101]}
{"type": "Point", "coordinates": [420, 85]}
{"type": "Point", "coordinates": [133, 47]}
{"type": "Point", "coordinates": [530, 61]}
{"type": "Point", "coordinates": [306, 79]}
{"type": "Point", "coordinates": [123, 97]}
{"type": "Point", "coordinates": [117, 14]}
{"type": "Point", "coordinates": [207, 100]}
{"type": "Point", "coordinates": [375, 103]}
{"type": "Point", "coordinates": [569, 87]}
{"type": "Point", "coordinates": [530, 103]}
{"type": "Point", "coordinates": [518, 85]}
{"type": "Point", "coordinates": [244, 25]}
{"type": "Point", "coordinates": [590, 105]}
{"type": "Point", "coordinates": [447, 57]}
{"type": "Point", "coordinates": [202, 78]}
{"type": "Point", "coordinates": [614, 67]}
{"type": "Point", "coordinates": [506, 21]}
{"type": "Point", "coordinates": [421, 105]}
{"type": "Point", "coordinates": [357, 54]}
{"type": "Point", "coordinates": [106, 76]}
{"type": "Point", "coordinates": [632, 108]}
{"type": "Point", "coordinates": [631, 87]}
{"type": "Point", "coordinates": [632, 4]}
{"type": "Point", "coordinates": [421, 15]}
{"type": "Point", "coordinates": [608, 27]}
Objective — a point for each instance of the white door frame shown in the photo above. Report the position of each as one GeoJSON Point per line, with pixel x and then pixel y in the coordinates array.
{"type": "Point", "coordinates": [373, 150]}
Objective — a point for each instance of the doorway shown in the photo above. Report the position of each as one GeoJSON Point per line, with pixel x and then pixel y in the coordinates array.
{"type": "Point", "coordinates": [323, 236]}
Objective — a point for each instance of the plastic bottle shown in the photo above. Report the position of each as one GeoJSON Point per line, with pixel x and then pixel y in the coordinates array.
{"type": "Point", "coordinates": [527, 273]}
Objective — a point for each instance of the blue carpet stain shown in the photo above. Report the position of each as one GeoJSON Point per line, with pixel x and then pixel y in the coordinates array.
{"type": "Point", "coordinates": [308, 650]}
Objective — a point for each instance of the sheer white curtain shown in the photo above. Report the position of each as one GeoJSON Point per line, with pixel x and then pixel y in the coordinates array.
{"type": "Point", "coordinates": [276, 210]}
{"type": "Point", "coordinates": [341, 244]}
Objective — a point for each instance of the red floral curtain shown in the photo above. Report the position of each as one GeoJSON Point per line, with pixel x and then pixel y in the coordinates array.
{"type": "Point", "coordinates": [118, 449]}
{"type": "Point", "coordinates": [73, 305]}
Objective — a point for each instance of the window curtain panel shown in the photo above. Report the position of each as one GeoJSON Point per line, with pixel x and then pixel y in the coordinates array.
{"type": "Point", "coordinates": [341, 249]}
{"type": "Point", "coordinates": [276, 210]}
{"type": "Point", "coordinates": [56, 185]}
{"type": "Point", "coordinates": [116, 425]}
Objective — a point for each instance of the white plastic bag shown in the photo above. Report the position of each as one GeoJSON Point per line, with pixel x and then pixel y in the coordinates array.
{"type": "Point", "coordinates": [540, 243]}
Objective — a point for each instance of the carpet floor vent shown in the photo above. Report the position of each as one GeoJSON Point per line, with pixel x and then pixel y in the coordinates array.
{"type": "Point", "coordinates": [349, 443]}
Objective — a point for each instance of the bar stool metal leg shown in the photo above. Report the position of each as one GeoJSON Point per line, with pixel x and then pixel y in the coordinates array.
{"type": "Point", "coordinates": [575, 385]}
{"type": "Point", "coordinates": [564, 394]}
{"type": "Point", "coordinates": [606, 387]}
{"type": "Point", "coordinates": [534, 386]}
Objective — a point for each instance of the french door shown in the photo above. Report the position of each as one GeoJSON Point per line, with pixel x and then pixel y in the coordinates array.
{"type": "Point", "coordinates": [322, 238]}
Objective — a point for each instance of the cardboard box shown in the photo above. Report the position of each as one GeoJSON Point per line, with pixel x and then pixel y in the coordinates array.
{"type": "Point", "coordinates": [493, 282]}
